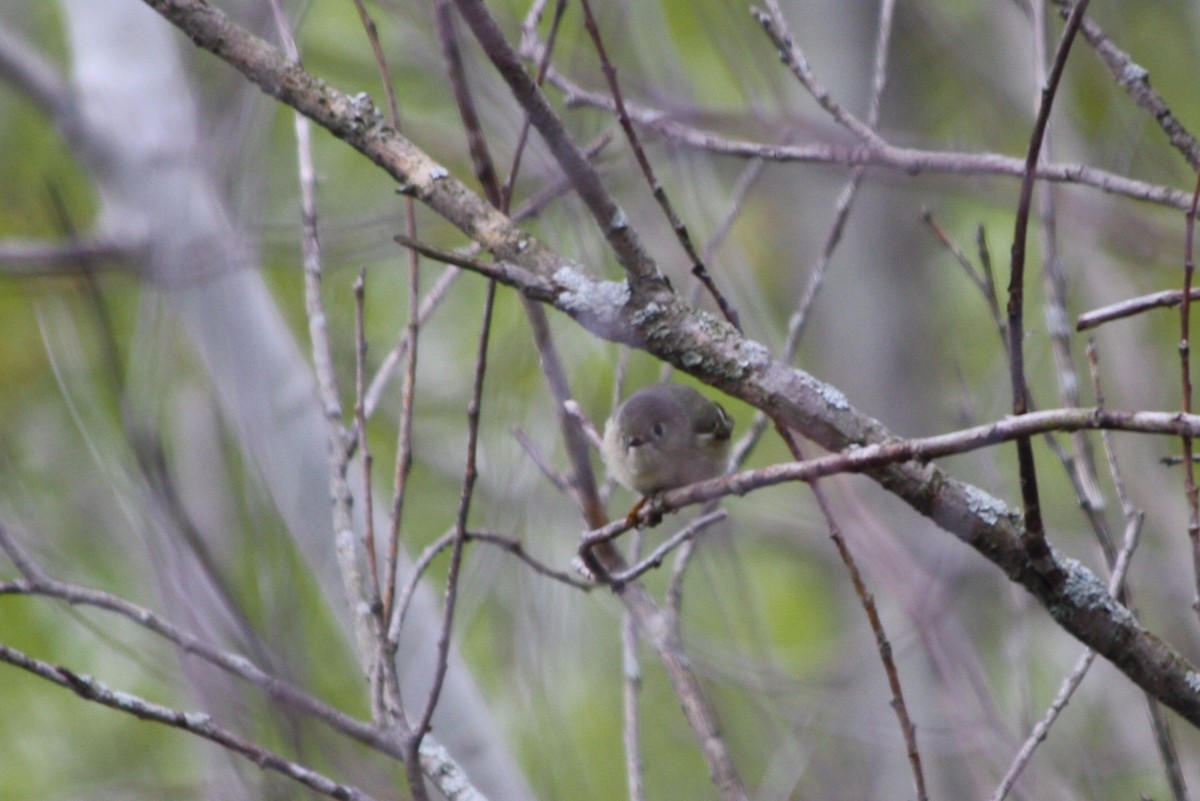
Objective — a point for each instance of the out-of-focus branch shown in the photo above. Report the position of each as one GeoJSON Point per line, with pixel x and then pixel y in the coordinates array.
{"type": "Point", "coordinates": [1135, 79]}
{"type": "Point", "coordinates": [436, 763]}
{"type": "Point", "coordinates": [197, 723]}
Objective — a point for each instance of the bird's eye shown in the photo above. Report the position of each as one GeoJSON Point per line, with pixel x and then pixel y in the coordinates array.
{"type": "Point", "coordinates": [658, 430]}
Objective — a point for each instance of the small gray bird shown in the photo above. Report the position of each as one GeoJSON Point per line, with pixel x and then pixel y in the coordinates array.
{"type": "Point", "coordinates": [666, 436]}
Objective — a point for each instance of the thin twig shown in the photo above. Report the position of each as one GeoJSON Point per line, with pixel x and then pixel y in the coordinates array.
{"type": "Point", "coordinates": [845, 202]}
{"type": "Point", "coordinates": [529, 28]}
{"type": "Point", "coordinates": [1033, 537]}
{"type": "Point", "coordinates": [656, 557]}
{"type": "Point", "coordinates": [470, 473]}
{"type": "Point", "coordinates": [360, 424]}
{"type": "Point", "coordinates": [404, 445]}
{"type": "Point", "coordinates": [1082, 463]}
{"type": "Point", "coordinates": [356, 590]}
{"type": "Point", "coordinates": [1159, 722]}
{"type": "Point", "coordinates": [1073, 679]}
{"type": "Point", "coordinates": [908, 160]}
{"type": "Point", "coordinates": [514, 547]}
{"type": "Point", "coordinates": [1135, 79]}
{"type": "Point", "coordinates": [436, 763]}
{"type": "Point", "coordinates": [1131, 307]}
{"type": "Point", "coordinates": [535, 455]}
{"type": "Point", "coordinates": [572, 408]}
{"type": "Point", "coordinates": [197, 723]}
{"type": "Point", "coordinates": [1189, 472]}
{"type": "Point", "coordinates": [481, 159]}
{"type": "Point", "coordinates": [982, 278]}
{"type": "Point", "coordinates": [612, 221]}
{"type": "Point", "coordinates": [908, 729]}
{"type": "Point", "coordinates": [420, 565]}
{"type": "Point", "coordinates": [385, 75]}
{"type": "Point", "coordinates": [631, 669]}
{"type": "Point", "coordinates": [776, 27]}
{"type": "Point", "coordinates": [656, 188]}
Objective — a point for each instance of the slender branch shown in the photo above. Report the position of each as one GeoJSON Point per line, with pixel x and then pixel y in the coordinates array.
{"type": "Point", "coordinates": [982, 279]}
{"type": "Point", "coordinates": [1033, 539]}
{"type": "Point", "coordinates": [436, 763]}
{"type": "Point", "coordinates": [656, 557]}
{"type": "Point", "coordinates": [420, 565]}
{"type": "Point", "coordinates": [460, 524]}
{"type": "Point", "coordinates": [1080, 461]}
{"type": "Point", "coordinates": [1191, 491]}
{"type": "Point", "coordinates": [1135, 79]}
{"type": "Point", "coordinates": [529, 29]}
{"type": "Point", "coordinates": [556, 478]}
{"type": "Point", "coordinates": [1073, 679]}
{"type": "Point", "coordinates": [908, 160]}
{"type": "Point", "coordinates": [514, 547]}
{"type": "Point", "coordinates": [656, 188]}
{"type": "Point", "coordinates": [922, 450]}
{"type": "Point", "coordinates": [631, 688]}
{"type": "Point", "coordinates": [609, 217]}
{"type": "Point", "coordinates": [841, 215]}
{"type": "Point", "coordinates": [481, 158]}
{"type": "Point", "coordinates": [776, 27]}
{"type": "Point", "coordinates": [1159, 722]}
{"type": "Point", "coordinates": [908, 729]}
{"type": "Point", "coordinates": [385, 75]}
{"type": "Point", "coordinates": [357, 592]}
{"type": "Point", "coordinates": [1131, 307]}
{"type": "Point", "coordinates": [197, 723]}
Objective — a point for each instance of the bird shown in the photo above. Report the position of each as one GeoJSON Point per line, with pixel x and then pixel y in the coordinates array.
{"type": "Point", "coordinates": [666, 436]}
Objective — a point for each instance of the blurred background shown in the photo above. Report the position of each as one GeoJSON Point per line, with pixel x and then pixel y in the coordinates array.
{"type": "Point", "coordinates": [160, 435]}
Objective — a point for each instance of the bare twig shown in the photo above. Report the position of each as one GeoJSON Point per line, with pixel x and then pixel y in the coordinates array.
{"type": "Point", "coordinates": [529, 28]}
{"type": "Point", "coordinates": [1033, 538]}
{"type": "Point", "coordinates": [572, 408]}
{"type": "Point", "coordinates": [1081, 463]}
{"type": "Point", "coordinates": [513, 546]}
{"type": "Point", "coordinates": [360, 424]}
{"type": "Point", "coordinates": [1159, 722]}
{"type": "Point", "coordinates": [1135, 79]}
{"type": "Point", "coordinates": [845, 202]}
{"type": "Point", "coordinates": [631, 687]}
{"type": "Point", "coordinates": [470, 473]}
{"type": "Point", "coordinates": [404, 599]}
{"type": "Point", "coordinates": [535, 454]}
{"type": "Point", "coordinates": [385, 75]}
{"type": "Point", "coordinates": [1132, 307]}
{"type": "Point", "coordinates": [435, 762]}
{"type": "Point", "coordinates": [1073, 679]}
{"type": "Point", "coordinates": [775, 24]}
{"type": "Point", "coordinates": [404, 444]}
{"type": "Point", "coordinates": [908, 729]}
{"type": "Point", "coordinates": [197, 723]}
{"type": "Point", "coordinates": [357, 594]}
{"type": "Point", "coordinates": [608, 215]}
{"type": "Point", "coordinates": [656, 188]}
{"type": "Point", "coordinates": [404, 436]}
{"type": "Point", "coordinates": [1189, 472]}
{"type": "Point", "coordinates": [911, 161]}
{"type": "Point", "coordinates": [481, 159]}
{"type": "Point", "coordinates": [982, 279]}
{"type": "Point", "coordinates": [656, 557]}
